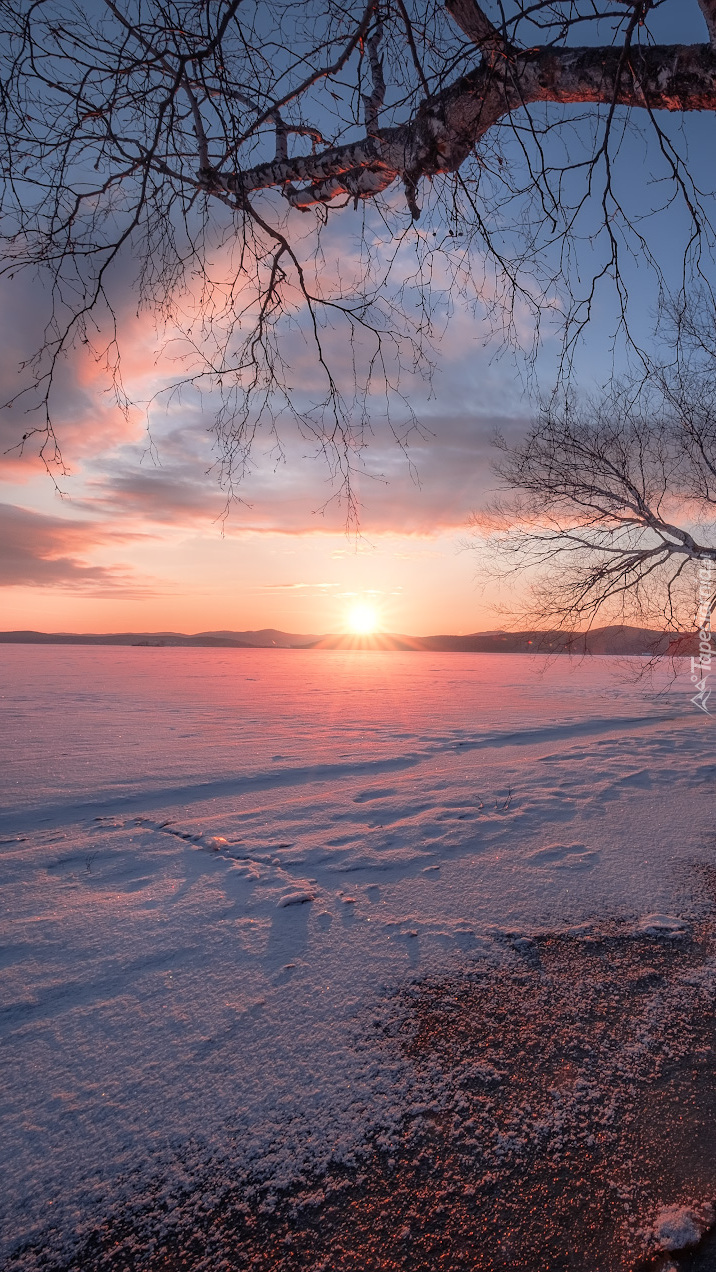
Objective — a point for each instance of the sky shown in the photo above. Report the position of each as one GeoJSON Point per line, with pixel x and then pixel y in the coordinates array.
{"type": "Point", "coordinates": [134, 535]}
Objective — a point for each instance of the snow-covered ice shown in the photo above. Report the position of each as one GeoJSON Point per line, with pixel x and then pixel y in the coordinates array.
{"type": "Point", "coordinates": [222, 869]}
{"type": "Point", "coordinates": [677, 1227]}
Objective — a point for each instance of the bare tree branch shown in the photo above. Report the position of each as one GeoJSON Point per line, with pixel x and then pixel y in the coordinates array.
{"type": "Point", "coordinates": [446, 129]}
{"type": "Point", "coordinates": [179, 140]}
{"type": "Point", "coordinates": [373, 103]}
{"type": "Point", "coordinates": [612, 508]}
{"type": "Point", "coordinates": [475, 24]}
{"type": "Point", "coordinates": [708, 8]}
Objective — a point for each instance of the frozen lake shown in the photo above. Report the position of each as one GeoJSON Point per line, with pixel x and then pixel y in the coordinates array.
{"type": "Point", "coordinates": [87, 725]}
{"type": "Point", "coordinates": [219, 868]}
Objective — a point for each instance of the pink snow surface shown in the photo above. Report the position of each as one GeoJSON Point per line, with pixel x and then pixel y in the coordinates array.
{"type": "Point", "coordinates": [216, 865]}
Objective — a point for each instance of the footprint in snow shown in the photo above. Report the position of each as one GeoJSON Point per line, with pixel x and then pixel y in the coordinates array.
{"type": "Point", "coordinates": [375, 792]}
{"type": "Point", "coordinates": [662, 925]}
{"type": "Point", "coordinates": [301, 897]}
{"type": "Point", "coordinates": [564, 857]}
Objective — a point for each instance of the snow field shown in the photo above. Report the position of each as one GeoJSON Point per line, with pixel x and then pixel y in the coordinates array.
{"type": "Point", "coordinates": [206, 938]}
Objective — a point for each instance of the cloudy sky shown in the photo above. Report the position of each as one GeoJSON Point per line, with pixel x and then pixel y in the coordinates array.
{"type": "Point", "coordinates": [134, 533]}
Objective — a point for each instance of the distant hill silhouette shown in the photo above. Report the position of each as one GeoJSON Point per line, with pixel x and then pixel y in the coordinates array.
{"type": "Point", "coordinates": [616, 639]}
{"type": "Point", "coordinates": [154, 639]}
{"type": "Point", "coordinates": [266, 638]}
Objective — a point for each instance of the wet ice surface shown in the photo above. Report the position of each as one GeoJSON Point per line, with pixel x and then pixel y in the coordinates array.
{"type": "Point", "coordinates": [223, 870]}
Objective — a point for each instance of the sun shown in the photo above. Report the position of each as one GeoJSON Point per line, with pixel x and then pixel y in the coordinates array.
{"type": "Point", "coordinates": [362, 619]}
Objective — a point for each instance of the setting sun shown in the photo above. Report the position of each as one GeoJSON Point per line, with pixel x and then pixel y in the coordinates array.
{"type": "Point", "coordinates": [362, 619]}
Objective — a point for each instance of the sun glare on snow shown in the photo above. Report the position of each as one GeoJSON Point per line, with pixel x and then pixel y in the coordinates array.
{"type": "Point", "coordinates": [362, 619]}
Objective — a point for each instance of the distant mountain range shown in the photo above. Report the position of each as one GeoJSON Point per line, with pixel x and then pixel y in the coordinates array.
{"type": "Point", "coordinates": [616, 639]}
{"type": "Point", "coordinates": [267, 638]}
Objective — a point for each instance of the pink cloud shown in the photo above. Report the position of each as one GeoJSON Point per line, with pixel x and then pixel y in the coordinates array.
{"type": "Point", "coordinates": [51, 552]}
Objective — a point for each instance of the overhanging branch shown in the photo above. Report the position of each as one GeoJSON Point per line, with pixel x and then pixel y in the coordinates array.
{"type": "Point", "coordinates": [478, 28]}
{"type": "Point", "coordinates": [447, 126]}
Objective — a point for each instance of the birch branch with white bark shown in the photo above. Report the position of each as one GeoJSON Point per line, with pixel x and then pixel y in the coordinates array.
{"type": "Point", "coordinates": [447, 127]}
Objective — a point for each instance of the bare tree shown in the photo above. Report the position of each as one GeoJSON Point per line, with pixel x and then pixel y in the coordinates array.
{"type": "Point", "coordinates": [610, 508]}
{"type": "Point", "coordinates": [209, 142]}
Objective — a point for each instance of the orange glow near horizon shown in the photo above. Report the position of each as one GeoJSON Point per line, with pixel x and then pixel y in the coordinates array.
{"type": "Point", "coordinates": [196, 582]}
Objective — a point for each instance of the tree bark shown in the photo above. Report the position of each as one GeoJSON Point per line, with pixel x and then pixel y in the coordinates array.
{"type": "Point", "coordinates": [446, 127]}
{"type": "Point", "coordinates": [708, 8]}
